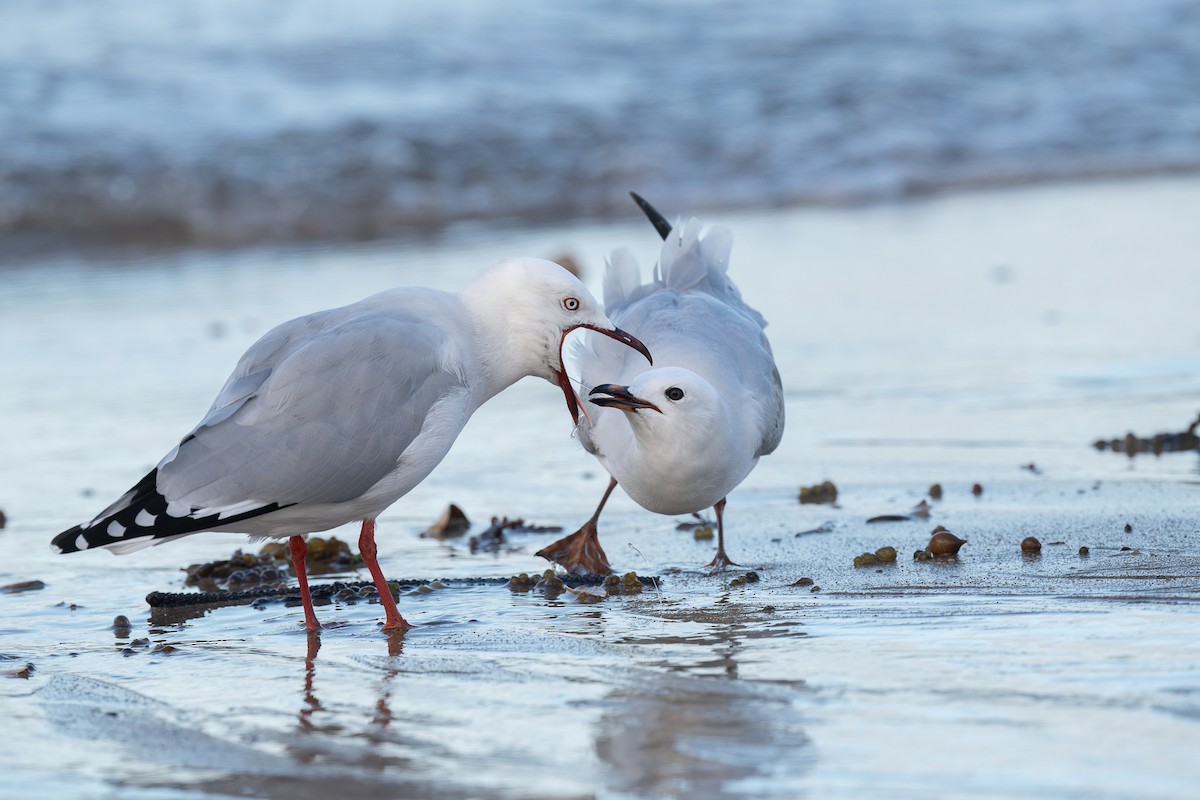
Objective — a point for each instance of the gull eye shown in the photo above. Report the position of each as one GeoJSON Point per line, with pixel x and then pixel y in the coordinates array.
{"type": "Point", "coordinates": [675, 393]}
{"type": "Point", "coordinates": [571, 303]}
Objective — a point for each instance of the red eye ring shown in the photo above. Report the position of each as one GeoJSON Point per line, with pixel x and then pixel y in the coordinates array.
{"type": "Point", "coordinates": [570, 303]}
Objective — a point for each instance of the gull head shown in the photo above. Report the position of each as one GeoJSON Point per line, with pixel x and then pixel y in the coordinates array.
{"type": "Point", "coordinates": [537, 303]}
{"type": "Point", "coordinates": [665, 399]}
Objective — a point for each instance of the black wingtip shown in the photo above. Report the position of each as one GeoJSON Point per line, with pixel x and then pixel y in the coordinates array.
{"type": "Point", "coordinates": [66, 542]}
{"type": "Point", "coordinates": [656, 219]}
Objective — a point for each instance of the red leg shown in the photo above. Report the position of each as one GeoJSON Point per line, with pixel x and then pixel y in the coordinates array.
{"type": "Point", "coordinates": [366, 546]}
{"type": "Point", "coordinates": [720, 560]}
{"type": "Point", "coordinates": [581, 553]}
{"type": "Point", "coordinates": [299, 552]}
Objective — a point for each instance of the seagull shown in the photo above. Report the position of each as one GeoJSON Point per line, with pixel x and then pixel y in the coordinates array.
{"type": "Point", "coordinates": [332, 417]}
{"type": "Point", "coordinates": [680, 436]}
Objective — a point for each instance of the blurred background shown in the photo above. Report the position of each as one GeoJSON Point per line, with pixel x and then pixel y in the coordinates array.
{"type": "Point", "coordinates": [972, 226]}
{"type": "Point", "coordinates": [240, 122]}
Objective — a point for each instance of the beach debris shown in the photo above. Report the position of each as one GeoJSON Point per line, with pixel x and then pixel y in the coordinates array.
{"type": "Point", "coordinates": [942, 544]}
{"type": "Point", "coordinates": [1032, 467]}
{"type": "Point", "coordinates": [920, 511]}
{"type": "Point", "coordinates": [802, 582]}
{"type": "Point", "coordinates": [629, 583]}
{"type": "Point", "coordinates": [935, 492]}
{"type": "Point", "coordinates": [490, 540]}
{"type": "Point", "coordinates": [742, 580]}
{"type": "Point", "coordinates": [824, 527]}
{"type": "Point", "coordinates": [884, 555]}
{"type": "Point", "coordinates": [589, 595]}
{"type": "Point", "coordinates": [22, 586]}
{"type": "Point", "coordinates": [977, 489]}
{"type": "Point", "coordinates": [553, 584]}
{"type": "Point", "coordinates": [696, 522]}
{"type": "Point", "coordinates": [270, 566]}
{"type": "Point", "coordinates": [452, 522]}
{"type": "Point", "coordinates": [1132, 445]}
{"type": "Point", "coordinates": [821, 493]}
{"type": "Point", "coordinates": [1030, 544]}
{"type": "Point", "coordinates": [1084, 552]}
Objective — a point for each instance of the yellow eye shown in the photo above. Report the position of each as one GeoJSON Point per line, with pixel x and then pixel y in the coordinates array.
{"type": "Point", "coordinates": [571, 303]}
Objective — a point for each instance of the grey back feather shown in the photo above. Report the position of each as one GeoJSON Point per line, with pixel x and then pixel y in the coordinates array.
{"type": "Point", "coordinates": [318, 411]}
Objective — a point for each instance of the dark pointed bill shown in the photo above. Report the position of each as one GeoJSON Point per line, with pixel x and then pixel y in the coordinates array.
{"type": "Point", "coordinates": [613, 396]}
{"type": "Point", "coordinates": [564, 382]}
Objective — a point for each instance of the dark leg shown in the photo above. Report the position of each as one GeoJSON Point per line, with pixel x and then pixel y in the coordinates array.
{"type": "Point", "coordinates": [366, 546]}
{"type": "Point", "coordinates": [299, 552]}
{"type": "Point", "coordinates": [581, 551]}
{"type": "Point", "coordinates": [720, 560]}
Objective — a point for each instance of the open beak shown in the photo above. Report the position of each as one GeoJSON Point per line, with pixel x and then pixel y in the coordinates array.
{"type": "Point", "coordinates": [560, 374]}
{"type": "Point", "coordinates": [613, 396]}
{"type": "Point", "coordinates": [621, 336]}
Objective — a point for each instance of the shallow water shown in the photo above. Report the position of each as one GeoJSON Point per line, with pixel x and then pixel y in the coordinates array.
{"type": "Point", "coordinates": [953, 341]}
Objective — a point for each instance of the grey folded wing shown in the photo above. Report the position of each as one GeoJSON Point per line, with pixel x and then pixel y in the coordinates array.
{"type": "Point", "coordinates": [326, 416]}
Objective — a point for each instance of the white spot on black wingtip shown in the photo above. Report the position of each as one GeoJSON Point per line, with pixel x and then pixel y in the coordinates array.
{"type": "Point", "coordinates": [115, 529]}
{"type": "Point", "coordinates": [81, 542]}
{"type": "Point", "coordinates": [145, 519]}
{"type": "Point", "coordinates": [58, 551]}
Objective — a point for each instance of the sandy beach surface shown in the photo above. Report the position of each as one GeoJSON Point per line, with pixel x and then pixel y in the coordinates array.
{"type": "Point", "coordinates": [984, 338]}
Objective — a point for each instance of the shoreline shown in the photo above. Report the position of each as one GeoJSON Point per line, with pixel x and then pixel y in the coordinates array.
{"type": "Point", "coordinates": [32, 249]}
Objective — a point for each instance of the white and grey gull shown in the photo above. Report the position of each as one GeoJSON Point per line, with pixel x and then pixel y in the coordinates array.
{"type": "Point", "coordinates": [332, 417]}
{"type": "Point", "coordinates": [680, 436]}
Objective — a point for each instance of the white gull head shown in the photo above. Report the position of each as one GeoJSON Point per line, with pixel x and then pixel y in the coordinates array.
{"type": "Point", "coordinates": [523, 309]}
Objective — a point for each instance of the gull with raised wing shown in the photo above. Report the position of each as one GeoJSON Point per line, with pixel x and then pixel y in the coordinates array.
{"type": "Point", "coordinates": [333, 416]}
{"type": "Point", "coordinates": [680, 436]}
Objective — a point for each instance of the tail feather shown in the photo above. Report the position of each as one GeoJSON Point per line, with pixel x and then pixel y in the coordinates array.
{"type": "Point", "coordinates": [143, 517]}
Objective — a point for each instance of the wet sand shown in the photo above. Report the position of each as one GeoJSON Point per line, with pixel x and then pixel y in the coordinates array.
{"type": "Point", "coordinates": [954, 341]}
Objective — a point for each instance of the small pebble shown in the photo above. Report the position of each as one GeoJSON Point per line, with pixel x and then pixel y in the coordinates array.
{"type": "Point", "coordinates": [121, 627]}
{"type": "Point", "coordinates": [3, 519]}
{"type": "Point", "coordinates": [702, 533]}
{"type": "Point", "coordinates": [866, 560]}
{"type": "Point", "coordinates": [815, 589]}
{"type": "Point", "coordinates": [935, 492]}
{"type": "Point", "coordinates": [803, 582]}
{"type": "Point", "coordinates": [887, 555]}
{"type": "Point", "coordinates": [1084, 552]}
{"type": "Point", "coordinates": [1128, 528]}
{"type": "Point", "coordinates": [1030, 544]}
{"type": "Point", "coordinates": [977, 489]}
